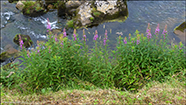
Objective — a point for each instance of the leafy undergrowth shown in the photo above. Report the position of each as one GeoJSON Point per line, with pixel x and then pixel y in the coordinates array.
{"type": "Point", "coordinates": [169, 92]}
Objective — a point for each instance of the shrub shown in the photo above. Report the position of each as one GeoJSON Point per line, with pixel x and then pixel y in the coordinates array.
{"type": "Point", "coordinates": [61, 62]}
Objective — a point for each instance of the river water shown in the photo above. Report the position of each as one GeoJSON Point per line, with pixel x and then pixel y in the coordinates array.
{"type": "Point", "coordinates": [141, 13]}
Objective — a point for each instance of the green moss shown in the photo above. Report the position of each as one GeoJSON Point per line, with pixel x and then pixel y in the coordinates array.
{"type": "Point", "coordinates": [70, 23]}
{"type": "Point", "coordinates": [91, 19]}
{"type": "Point", "coordinates": [96, 14]}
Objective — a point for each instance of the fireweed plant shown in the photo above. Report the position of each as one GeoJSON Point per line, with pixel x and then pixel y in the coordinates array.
{"type": "Point", "coordinates": [61, 62]}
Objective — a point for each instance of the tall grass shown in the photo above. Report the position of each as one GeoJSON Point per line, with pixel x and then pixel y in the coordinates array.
{"type": "Point", "coordinates": [64, 63]}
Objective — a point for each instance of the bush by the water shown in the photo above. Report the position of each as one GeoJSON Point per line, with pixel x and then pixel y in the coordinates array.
{"type": "Point", "coordinates": [63, 63]}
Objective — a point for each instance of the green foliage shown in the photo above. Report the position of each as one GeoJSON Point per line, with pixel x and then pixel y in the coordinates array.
{"type": "Point", "coordinates": [66, 63]}
{"type": "Point", "coordinates": [55, 66]}
{"type": "Point", "coordinates": [149, 60]}
{"type": "Point", "coordinates": [70, 23]}
{"type": "Point", "coordinates": [31, 6]}
{"type": "Point", "coordinates": [10, 77]}
{"type": "Point", "coordinates": [96, 14]}
{"type": "Point", "coordinates": [91, 19]}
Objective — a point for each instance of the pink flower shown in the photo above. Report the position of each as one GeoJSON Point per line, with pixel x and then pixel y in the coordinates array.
{"type": "Point", "coordinates": [157, 30]}
{"type": "Point", "coordinates": [74, 34]}
{"type": "Point", "coordinates": [84, 36]}
{"type": "Point", "coordinates": [148, 31]}
{"type": "Point", "coordinates": [64, 33]}
{"type": "Point", "coordinates": [56, 37]}
{"type": "Point", "coordinates": [20, 42]}
{"type": "Point", "coordinates": [138, 41]}
{"type": "Point", "coordinates": [125, 40]}
{"type": "Point", "coordinates": [28, 53]}
{"type": "Point", "coordinates": [96, 35]}
{"type": "Point", "coordinates": [164, 31]}
{"type": "Point", "coordinates": [105, 38]}
{"type": "Point", "coordinates": [48, 26]}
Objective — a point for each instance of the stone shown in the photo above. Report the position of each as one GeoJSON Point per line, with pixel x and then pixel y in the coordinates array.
{"type": "Point", "coordinates": [9, 52]}
{"type": "Point", "coordinates": [71, 7]}
{"type": "Point", "coordinates": [180, 31]}
{"type": "Point", "coordinates": [20, 5]}
{"type": "Point", "coordinates": [85, 13]}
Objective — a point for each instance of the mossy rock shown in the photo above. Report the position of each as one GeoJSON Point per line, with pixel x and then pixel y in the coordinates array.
{"type": "Point", "coordinates": [4, 56]}
{"type": "Point", "coordinates": [181, 27]}
{"type": "Point", "coordinates": [33, 9]}
{"type": "Point", "coordinates": [26, 40]}
{"type": "Point", "coordinates": [9, 52]}
{"type": "Point", "coordinates": [11, 1]}
{"type": "Point", "coordinates": [180, 31]}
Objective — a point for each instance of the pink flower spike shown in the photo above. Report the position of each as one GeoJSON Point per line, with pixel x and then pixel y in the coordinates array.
{"type": "Point", "coordinates": [74, 34]}
{"type": "Point", "coordinates": [138, 41]}
{"type": "Point", "coordinates": [64, 33]}
{"type": "Point", "coordinates": [157, 30]}
{"type": "Point", "coordinates": [84, 36]}
{"type": "Point", "coordinates": [96, 35]}
{"type": "Point", "coordinates": [48, 25]}
{"type": "Point", "coordinates": [125, 40]}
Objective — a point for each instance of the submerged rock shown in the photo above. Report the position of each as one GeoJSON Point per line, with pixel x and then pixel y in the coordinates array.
{"type": "Point", "coordinates": [180, 31]}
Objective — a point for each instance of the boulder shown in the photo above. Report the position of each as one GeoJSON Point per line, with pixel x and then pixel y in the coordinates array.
{"type": "Point", "coordinates": [68, 8]}
{"type": "Point", "coordinates": [85, 13]}
{"type": "Point", "coordinates": [26, 40]}
{"type": "Point", "coordinates": [71, 7]}
{"type": "Point", "coordinates": [94, 12]}
{"type": "Point", "coordinates": [9, 52]}
{"type": "Point", "coordinates": [180, 31]}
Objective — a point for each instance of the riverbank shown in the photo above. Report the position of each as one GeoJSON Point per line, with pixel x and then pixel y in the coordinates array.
{"type": "Point", "coordinates": [170, 92]}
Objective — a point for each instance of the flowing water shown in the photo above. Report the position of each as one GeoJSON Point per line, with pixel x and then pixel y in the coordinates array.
{"type": "Point", "coordinates": [141, 13]}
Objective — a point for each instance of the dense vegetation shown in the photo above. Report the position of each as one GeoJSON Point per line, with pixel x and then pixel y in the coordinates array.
{"type": "Point", "coordinates": [61, 63]}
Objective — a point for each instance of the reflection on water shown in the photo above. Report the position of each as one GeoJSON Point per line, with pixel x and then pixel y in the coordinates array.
{"type": "Point", "coordinates": [141, 13]}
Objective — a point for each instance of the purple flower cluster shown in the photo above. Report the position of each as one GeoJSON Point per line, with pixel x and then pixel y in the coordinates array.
{"type": "Point", "coordinates": [64, 33]}
{"type": "Point", "coordinates": [28, 53]}
{"type": "Point", "coordinates": [138, 41]}
{"type": "Point", "coordinates": [74, 34]}
{"type": "Point", "coordinates": [20, 41]}
{"type": "Point", "coordinates": [105, 38]}
{"type": "Point", "coordinates": [125, 40]}
{"type": "Point", "coordinates": [56, 37]}
{"type": "Point", "coordinates": [148, 31]}
{"type": "Point", "coordinates": [61, 43]}
{"type": "Point", "coordinates": [164, 31]}
{"type": "Point", "coordinates": [84, 36]}
{"type": "Point", "coordinates": [48, 26]}
{"type": "Point", "coordinates": [96, 35]}
{"type": "Point", "coordinates": [157, 30]}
